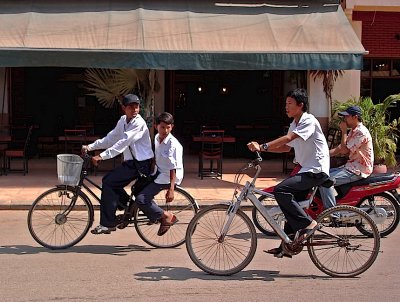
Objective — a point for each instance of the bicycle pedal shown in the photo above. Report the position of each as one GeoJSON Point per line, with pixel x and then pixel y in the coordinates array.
{"type": "Point", "coordinates": [122, 225]}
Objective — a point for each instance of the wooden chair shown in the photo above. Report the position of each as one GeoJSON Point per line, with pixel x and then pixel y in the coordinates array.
{"type": "Point", "coordinates": [212, 143]}
{"type": "Point", "coordinates": [18, 153]}
{"type": "Point", "coordinates": [74, 139]}
{"type": "Point", "coordinates": [331, 137]}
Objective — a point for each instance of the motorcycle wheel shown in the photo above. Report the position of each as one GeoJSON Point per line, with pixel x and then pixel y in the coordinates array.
{"type": "Point", "coordinates": [390, 205]}
{"type": "Point", "coordinates": [259, 220]}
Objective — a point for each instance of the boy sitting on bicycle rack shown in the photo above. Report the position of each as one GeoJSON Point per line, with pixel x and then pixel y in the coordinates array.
{"type": "Point", "coordinates": [169, 165]}
{"type": "Point", "coordinates": [130, 137]}
{"type": "Point", "coordinates": [312, 153]}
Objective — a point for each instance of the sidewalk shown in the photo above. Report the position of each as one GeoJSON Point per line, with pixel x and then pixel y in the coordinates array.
{"type": "Point", "coordinates": [17, 192]}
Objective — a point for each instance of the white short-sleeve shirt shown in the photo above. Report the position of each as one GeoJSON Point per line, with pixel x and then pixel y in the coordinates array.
{"type": "Point", "coordinates": [310, 148]}
{"type": "Point", "coordinates": [169, 156]}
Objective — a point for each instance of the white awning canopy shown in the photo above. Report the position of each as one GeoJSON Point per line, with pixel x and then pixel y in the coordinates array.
{"type": "Point", "coordinates": [197, 35]}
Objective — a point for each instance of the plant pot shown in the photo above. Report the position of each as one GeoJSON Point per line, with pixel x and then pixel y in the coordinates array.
{"type": "Point", "coordinates": [379, 169]}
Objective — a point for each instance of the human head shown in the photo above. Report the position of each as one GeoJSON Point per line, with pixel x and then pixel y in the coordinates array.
{"type": "Point", "coordinates": [352, 111]}
{"type": "Point", "coordinates": [300, 95]}
{"type": "Point", "coordinates": [131, 105]}
{"type": "Point", "coordinates": [164, 124]}
{"type": "Point", "coordinates": [165, 117]}
{"type": "Point", "coordinates": [130, 99]}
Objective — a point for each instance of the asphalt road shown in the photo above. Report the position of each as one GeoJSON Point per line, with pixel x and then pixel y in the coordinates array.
{"type": "Point", "coordinates": [120, 267]}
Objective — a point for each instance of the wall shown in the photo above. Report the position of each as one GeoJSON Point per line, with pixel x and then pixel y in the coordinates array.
{"type": "Point", "coordinates": [379, 32]}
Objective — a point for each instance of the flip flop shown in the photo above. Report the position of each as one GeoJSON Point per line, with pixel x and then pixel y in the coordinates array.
{"type": "Point", "coordinates": [165, 226]}
{"type": "Point", "coordinates": [277, 252]}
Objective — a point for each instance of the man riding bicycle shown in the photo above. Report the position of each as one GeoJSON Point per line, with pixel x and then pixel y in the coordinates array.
{"type": "Point", "coordinates": [312, 153]}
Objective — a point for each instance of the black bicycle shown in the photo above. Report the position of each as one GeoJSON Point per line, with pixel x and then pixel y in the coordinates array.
{"type": "Point", "coordinates": [62, 216]}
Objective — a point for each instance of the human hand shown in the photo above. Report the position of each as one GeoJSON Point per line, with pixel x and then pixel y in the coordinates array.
{"type": "Point", "coordinates": [169, 196]}
{"type": "Point", "coordinates": [84, 149]}
{"type": "Point", "coordinates": [254, 146]}
{"type": "Point", "coordinates": [343, 126]}
{"type": "Point", "coordinates": [96, 159]}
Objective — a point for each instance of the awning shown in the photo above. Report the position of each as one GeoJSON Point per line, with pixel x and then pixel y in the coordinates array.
{"type": "Point", "coordinates": [173, 35]}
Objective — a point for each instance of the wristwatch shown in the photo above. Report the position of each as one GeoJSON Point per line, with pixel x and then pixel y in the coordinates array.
{"type": "Point", "coordinates": [265, 146]}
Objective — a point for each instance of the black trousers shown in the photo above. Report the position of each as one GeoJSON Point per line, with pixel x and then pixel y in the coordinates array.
{"type": "Point", "coordinates": [113, 188]}
{"type": "Point", "coordinates": [297, 188]}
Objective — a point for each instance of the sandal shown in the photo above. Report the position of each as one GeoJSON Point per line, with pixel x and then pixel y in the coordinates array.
{"type": "Point", "coordinates": [165, 226]}
{"type": "Point", "coordinates": [278, 252]}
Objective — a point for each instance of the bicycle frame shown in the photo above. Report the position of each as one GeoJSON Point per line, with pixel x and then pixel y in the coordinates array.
{"type": "Point", "coordinates": [248, 192]}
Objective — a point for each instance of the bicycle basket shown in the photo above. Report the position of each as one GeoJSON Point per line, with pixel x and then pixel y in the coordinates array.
{"type": "Point", "coordinates": [69, 167]}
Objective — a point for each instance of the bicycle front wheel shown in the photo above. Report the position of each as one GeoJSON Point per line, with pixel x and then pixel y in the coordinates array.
{"type": "Point", "coordinates": [338, 249]}
{"type": "Point", "coordinates": [214, 254]}
{"type": "Point", "coordinates": [59, 218]}
{"type": "Point", "coordinates": [184, 207]}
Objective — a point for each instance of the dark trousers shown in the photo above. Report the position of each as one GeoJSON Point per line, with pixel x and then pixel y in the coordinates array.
{"type": "Point", "coordinates": [113, 188]}
{"type": "Point", "coordinates": [297, 188]}
{"type": "Point", "coordinates": [145, 200]}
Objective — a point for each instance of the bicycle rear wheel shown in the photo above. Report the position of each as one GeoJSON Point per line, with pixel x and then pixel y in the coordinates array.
{"type": "Point", "coordinates": [338, 249]}
{"type": "Point", "coordinates": [184, 207]}
{"type": "Point", "coordinates": [55, 222]}
{"type": "Point", "coordinates": [216, 255]}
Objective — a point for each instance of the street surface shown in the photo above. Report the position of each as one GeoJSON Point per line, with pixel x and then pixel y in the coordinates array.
{"type": "Point", "coordinates": [120, 267]}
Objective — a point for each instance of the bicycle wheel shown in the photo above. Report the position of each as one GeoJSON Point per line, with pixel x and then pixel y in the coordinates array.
{"type": "Point", "coordinates": [386, 206]}
{"type": "Point", "coordinates": [338, 249]}
{"type": "Point", "coordinates": [184, 207]}
{"type": "Point", "coordinates": [221, 256]}
{"type": "Point", "coordinates": [54, 224]}
{"type": "Point", "coordinates": [259, 220]}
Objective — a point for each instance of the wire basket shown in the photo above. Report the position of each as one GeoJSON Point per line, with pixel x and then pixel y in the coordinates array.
{"type": "Point", "coordinates": [69, 167]}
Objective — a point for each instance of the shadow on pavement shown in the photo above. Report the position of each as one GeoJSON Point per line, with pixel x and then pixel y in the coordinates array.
{"type": "Point", "coordinates": [84, 249]}
{"type": "Point", "coordinates": [163, 273]}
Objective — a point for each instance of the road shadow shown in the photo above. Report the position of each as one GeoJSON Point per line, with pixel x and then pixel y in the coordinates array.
{"type": "Point", "coordinates": [164, 273]}
{"type": "Point", "coordinates": [115, 250]}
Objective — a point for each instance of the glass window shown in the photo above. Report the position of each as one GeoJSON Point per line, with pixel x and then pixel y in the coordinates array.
{"type": "Point", "coordinates": [396, 68]}
{"type": "Point", "coordinates": [366, 71]}
{"type": "Point", "coordinates": [381, 68]}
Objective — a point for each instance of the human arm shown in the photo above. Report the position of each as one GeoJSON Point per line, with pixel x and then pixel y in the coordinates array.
{"type": "Point", "coordinates": [342, 148]}
{"type": "Point", "coordinates": [278, 145]}
{"type": "Point", "coordinates": [169, 196]}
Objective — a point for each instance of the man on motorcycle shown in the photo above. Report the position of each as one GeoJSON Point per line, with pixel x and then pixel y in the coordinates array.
{"type": "Point", "coordinates": [358, 146]}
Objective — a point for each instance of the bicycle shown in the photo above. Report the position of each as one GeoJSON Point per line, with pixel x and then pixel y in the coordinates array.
{"type": "Point", "coordinates": [222, 240]}
{"type": "Point", "coordinates": [376, 195]}
{"type": "Point", "coordinates": [62, 216]}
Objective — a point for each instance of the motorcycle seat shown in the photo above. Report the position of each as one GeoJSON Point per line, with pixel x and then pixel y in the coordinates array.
{"type": "Point", "coordinates": [372, 179]}
{"type": "Point", "coordinates": [328, 183]}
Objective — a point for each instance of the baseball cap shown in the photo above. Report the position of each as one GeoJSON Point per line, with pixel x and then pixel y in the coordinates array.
{"type": "Point", "coordinates": [129, 99]}
{"type": "Point", "coordinates": [352, 110]}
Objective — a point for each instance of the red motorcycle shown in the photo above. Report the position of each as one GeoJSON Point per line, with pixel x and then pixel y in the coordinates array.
{"type": "Point", "coordinates": [376, 195]}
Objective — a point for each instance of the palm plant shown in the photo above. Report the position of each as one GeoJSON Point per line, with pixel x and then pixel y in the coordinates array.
{"type": "Point", "coordinates": [110, 85]}
{"type": "Point", "coordinates": [329, 78]}
{"type": "Point", "coordinates": [384, 132]}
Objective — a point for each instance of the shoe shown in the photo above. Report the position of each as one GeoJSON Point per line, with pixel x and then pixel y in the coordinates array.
{"type": "Point", "coordinates": [102, 230]}
{"type": "Point", "coordinates": [304, 234]}
{"type": "Point", "coordinates": [278, 252]}
{"type": "Point", "coordinates": [165, 226]}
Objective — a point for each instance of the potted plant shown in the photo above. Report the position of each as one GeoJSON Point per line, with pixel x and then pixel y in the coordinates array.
{"type": "Point", "coordinates": [384, 130]}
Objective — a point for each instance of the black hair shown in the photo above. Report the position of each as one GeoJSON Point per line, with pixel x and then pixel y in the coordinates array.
{"type": "Point", "coordinates": [300, 95]}
{"type": "Point", "coordinates": [165, 117]}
